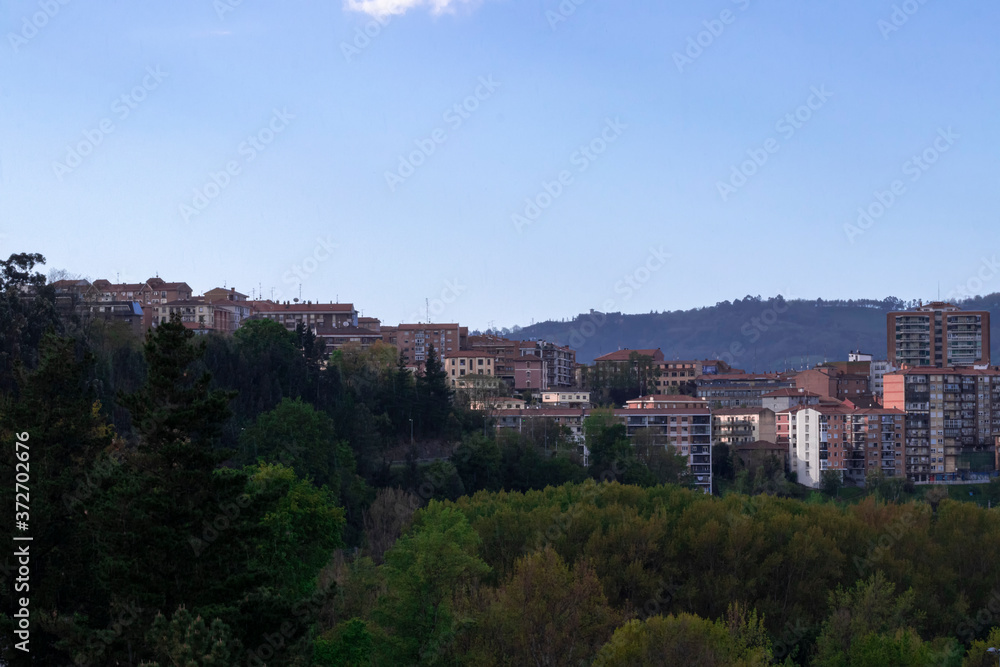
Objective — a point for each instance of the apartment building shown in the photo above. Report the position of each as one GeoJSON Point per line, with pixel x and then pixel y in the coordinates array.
{"type": "Point", "coordinates": [850, 441]}
{"type": "Point", "coordinates": [560, 364]}
{"type": "Point", "coordinates": [531, 374]}
{"type": "Point", "coordinates": [740, 390]}
{"type": "Point", "coordinates": [847, 380]}
{"type": "Point", "coordinates": [782, 399]}
{"type": "Point", "coordinates": [566, 399]}
{"type": "Point", "coordinates": [234, 302]}
{"type": "Point", "coordinates": [458, 365]}
{"type": "Point", "coordinates": [952, 415]}
{"type": "Point", "coordinates": [741, 426]}
{"type": "Point", "coordinates": [687, 429]}
{"type": "Point", "coordinates": [535, 420]}
{"type": "Point", "coordinates": [663, 401]}
{"type": "Point", "coordinates": [150, 295]}
{"type": "Point", "coordinates": [370, 324]}
{"type": "Point", "coordinates": [938, 334]}
{"type": "Point", "coordinates": [560, 360]}
{"type": "Point", "coordinates": [414, 340]}
{"type": "Point", "coordinates": [504, 352]}
{"type": "Point", "coordinates": [879, 369]}
{"type": "Point", "coordinates": [676, 373]}
{"type": "Point", "coordinates": [198, 315]}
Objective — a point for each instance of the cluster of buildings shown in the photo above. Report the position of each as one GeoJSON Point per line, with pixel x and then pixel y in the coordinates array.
{"type": "Point", "coordinates": [929, 411]}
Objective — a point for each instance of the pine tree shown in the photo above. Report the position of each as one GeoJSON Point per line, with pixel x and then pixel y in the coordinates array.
{"type": "Point", "coordinates": [433, 395]}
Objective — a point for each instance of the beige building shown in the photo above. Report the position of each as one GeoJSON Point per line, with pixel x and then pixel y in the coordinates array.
{"type": "Point", "coordinates": [460, 364]}
{"type": "Point", "coordinates": [566, 399]}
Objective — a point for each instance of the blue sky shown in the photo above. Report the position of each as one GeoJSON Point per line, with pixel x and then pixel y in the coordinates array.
{"type": "Point", "coordinates": [260, 144]}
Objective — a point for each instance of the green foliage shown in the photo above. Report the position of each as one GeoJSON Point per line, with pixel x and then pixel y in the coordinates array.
{"type": "Point", "coordinates": [871, 609]}
{"type": "Point", "coordinates": [831, 482]}
{"type": "Point", "coordinates": [477, 461]}
{"type": "Point", "coordinates": [351, 645]}
{"type": "Point", "coordinates": [424, 572]}
{"type": "Point", "coordinates": [297, 435]}
{"type": "Point", "coordinates": [433, 396]}
{"type": "Point", "coordinates": [546, 614]}
{"type": "Point", "coordinates": [979, 655]}
{"type": "Point", "coordinates": [680, 640]}
{"type": "Point", "coordinates": [188, 641]}
{"type": "Point", "coordinates": [27, 312]}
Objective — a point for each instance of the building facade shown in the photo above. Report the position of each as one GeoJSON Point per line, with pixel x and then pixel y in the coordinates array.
{"type": "Point", "coordinates": [414, 341]}
{"type": "Point", "coordinates": [938, 334]}
{"type": "Point", "coordinates": [952, 414]}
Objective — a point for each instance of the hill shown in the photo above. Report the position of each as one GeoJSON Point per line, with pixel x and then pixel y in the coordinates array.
{"type": "Point", "coordinates": [750, 333]}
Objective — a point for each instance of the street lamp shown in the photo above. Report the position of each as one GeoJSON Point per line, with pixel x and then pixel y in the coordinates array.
{"type": "Point", "coordinates": [994, 651]}
{"type": "Point", "coordinates": [411, 432]}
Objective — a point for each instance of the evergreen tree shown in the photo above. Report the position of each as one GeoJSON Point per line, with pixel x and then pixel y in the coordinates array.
{"type": "Point", "coordinates": [433, 395]}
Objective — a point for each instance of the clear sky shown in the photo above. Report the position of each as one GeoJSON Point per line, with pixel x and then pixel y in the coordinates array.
{"type": "Point", "coordinates": [631, 156]}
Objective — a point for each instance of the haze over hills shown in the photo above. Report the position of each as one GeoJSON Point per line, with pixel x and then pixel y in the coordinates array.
{"type": "Point", "coordinates": [749, 333]}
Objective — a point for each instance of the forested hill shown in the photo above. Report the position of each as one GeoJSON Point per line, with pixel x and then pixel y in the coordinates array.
{"type": "Point", "coordinates": [751, 333]}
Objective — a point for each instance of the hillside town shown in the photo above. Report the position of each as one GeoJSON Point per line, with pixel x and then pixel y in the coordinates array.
{"type": "Point", "coordinates": [927, 410]}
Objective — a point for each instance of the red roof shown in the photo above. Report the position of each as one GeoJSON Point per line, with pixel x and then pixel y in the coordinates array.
{"type": "Point", "coordinates": [272, 307]}
{"type": "Point", "coordinates": [624, 355]}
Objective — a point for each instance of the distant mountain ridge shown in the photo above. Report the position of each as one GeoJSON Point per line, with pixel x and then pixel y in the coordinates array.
{"type": "Point", "coordinates": [751, 333]}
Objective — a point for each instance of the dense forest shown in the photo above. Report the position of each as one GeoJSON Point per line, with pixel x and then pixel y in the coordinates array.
{"type": "Point", "coordinates": [750, 333]}
{"type": "Point", "coordinates": [257, 500]}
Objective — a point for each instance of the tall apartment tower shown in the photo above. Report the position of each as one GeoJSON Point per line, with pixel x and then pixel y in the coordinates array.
{"type": "Point", "coordinates": [940, 335]}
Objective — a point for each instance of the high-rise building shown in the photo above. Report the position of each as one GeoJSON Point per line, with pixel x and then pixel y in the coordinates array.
{"type": "Point", "coordinates": [850, 441]}
{"type": "Point", "coordinates": [938, 334]}
{"type": "Point", "coordinates": [952, 415]}
{"type": "Point", "coordinates": [415, 340]}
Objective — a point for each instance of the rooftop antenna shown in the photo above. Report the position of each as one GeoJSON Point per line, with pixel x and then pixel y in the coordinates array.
{"type": "Point", "coordinates": [300, 291]}
{"type": "Point", "coordinates": [427, 303]}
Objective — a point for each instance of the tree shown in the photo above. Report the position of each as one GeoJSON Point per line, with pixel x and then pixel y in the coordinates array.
{"type": "Point", "coordinates": [27, 311]}
{"type": "Point", "coordinates": [433, 396]}
{"type": "Point", "coordinates": [979, 655]}
{"type": "Point", "coordinates": [870, 608]}
{"type": "Point", "coordinates": [831, 482]}
{"type": "Point", "coordinates": [295, 434]}
{"type": "Point", "coordinates": [607, 440]}
{"type": "Point", "coordinates": [546, 614]}
{"type": "Point", "coordinates": [685, 639]}
{"type": "Point", "coordinates": [188, 640]}
{"type": "Point", "coordinates": [424, 572]}
{"type": "Point", "coordinates": [477, 461]}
